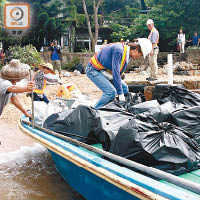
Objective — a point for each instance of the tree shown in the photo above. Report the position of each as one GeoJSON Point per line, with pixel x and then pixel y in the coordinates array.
{"type": "Point", "coordinates": [169, 16]}
{"type": "Point", "coordinates": [93, 36]}
{"type": "Point", "coordinates": [48, 22]}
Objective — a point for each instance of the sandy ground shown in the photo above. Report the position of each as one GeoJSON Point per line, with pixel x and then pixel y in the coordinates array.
{"type": "Point", "coordinates": [11, 137]}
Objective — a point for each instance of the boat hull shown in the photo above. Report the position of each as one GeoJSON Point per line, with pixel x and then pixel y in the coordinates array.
{"type": "Point", "coordinates": [86, 183]}
{"type": "Point", "coordinates": [96, 178]}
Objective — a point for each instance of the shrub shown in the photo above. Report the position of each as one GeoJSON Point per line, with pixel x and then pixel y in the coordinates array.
{"type": "Point", "coordinates": [28, 55]}
{"type": "Point", "coordinates": [70, 66]}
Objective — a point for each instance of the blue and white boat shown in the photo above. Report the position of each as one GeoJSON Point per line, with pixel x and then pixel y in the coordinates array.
{"type": "Point", "coordinates": [96, 178]}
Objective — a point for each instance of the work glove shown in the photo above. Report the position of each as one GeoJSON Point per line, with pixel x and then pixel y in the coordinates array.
{"type": "Point", "coordinates": [121, 97]}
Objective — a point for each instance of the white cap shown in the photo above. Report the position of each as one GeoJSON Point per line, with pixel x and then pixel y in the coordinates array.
{"type": "Point", "coordinates": [146, 46]}
{"type": "Point", "coordinates": [150, 21]}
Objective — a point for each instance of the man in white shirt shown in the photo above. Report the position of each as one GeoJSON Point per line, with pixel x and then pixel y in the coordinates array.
{"type": "Point", "coordinates": [154, 38]}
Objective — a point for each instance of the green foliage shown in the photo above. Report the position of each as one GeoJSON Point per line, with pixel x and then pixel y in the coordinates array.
{"type": "Point", "coordinates": [169, 16]}
{"type": "Point", "coordinates": [80, 19]}
{"type": "Point", "coordinates": [27, 54]}
{"type": "Point", "coordinates": [2, 2]}
{"type": "Point", "coordinates": [111, 6]}
{"type": "Point", "coordinates": [48, 22]}
{"type": "Point", "coordinates": [70, 66]}
{"type": "Point", "coordinates": [119, 32]}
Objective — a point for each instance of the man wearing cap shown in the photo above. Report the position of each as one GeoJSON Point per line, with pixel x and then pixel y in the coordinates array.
{"type": "Point", "coordinates": [110, 63]}
{"type": "Point", "coordinates": [10, 74]}
{"type": "Point", "coordinates": [154, 38]}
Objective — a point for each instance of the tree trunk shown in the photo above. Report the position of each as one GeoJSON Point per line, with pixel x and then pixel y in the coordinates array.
{"type": "Point", "coordinates": [93, 36]}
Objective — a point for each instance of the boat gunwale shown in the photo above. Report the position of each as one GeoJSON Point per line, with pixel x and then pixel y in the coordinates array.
{"type": "Point", "coordinates": [109, 174]}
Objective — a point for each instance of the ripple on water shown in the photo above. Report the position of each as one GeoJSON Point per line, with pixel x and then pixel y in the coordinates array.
{"type": "Point", "coordinates": [29, 174]}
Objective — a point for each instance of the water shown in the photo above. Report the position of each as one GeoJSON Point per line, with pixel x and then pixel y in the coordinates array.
{"type": "Point", "coordinates": [29, 174]}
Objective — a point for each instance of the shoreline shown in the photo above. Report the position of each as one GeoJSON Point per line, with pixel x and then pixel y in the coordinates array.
{"type": "Point", "coordinates": [12, 138]}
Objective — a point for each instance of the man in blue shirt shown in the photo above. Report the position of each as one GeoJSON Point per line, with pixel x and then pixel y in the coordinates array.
{"type": "Point", "coordinates": [110, 63]}
{"type": "Point", "coordinates": [195, 39]}
{"type": "Point", "coordinates": [56, 55]}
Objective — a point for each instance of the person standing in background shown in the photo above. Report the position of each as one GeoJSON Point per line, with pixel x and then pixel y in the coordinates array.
{"type": "Point", "coordinates": [56, 56]}
{"type": "Point", "coordinates": [154, 38]}
{"type": "Point", "coordinates": [181, 41]}
{"type": "Point", "coordinates": [195, 39]}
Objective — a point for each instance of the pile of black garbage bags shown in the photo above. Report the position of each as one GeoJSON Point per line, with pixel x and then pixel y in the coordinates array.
{"type": "Point", "coordinates": [163, 133]}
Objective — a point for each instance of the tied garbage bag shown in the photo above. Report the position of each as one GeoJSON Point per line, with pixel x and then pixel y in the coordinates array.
{"type": "Point", "coordinates": [89, 125]}
{"type": "Point", "coordinates": [178, 94]}
{"type": "Point", "coordinates": [147, 106]}
{"type": "Point", "coordinates": [111, 121]}
{"type": "Point", "coordinates": [189, 120]}
{"type": "Point", "coordinates": [79, 123]}
{"type": "Point", "coordinates": [40, 112]}
{"type": "Point", "coordinates": [131, 99]}
{"type": "Point", "coordinates": [163, 113]}
{"type": "Point", "coordinates": [163, 146]}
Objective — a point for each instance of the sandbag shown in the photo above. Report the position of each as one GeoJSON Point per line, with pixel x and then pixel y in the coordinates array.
{"type": "Point", "coordinates": [164, 146]}
{"type": "Point", "coordinates": [177, 95]}
{"type": "Point", "coordinates": [189, 120]}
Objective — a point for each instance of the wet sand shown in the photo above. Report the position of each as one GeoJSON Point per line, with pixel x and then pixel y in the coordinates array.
{"type": "Point", "coordinates": [12, 138]}
{"type": "Point", "coordinates": [27, 171]}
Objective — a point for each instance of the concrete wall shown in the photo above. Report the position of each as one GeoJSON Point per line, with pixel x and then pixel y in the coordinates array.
{"type": "Point", "coordinates": [67, 57]}
{"type": "Point", "coordinates": [192, 55]}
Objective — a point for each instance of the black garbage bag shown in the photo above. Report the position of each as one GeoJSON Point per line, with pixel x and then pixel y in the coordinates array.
{"type": "Point", "coordinates": [111, 121]}
{"type": "Point", "coordinates": [160, 145]}
{"type": "Point", "coordinates": [163, 113]}
{"type": "Point", "coordinates": [189, 120]}
{"type": "Point", "coordinates": [162, 88]}
{"type": "Point", "coordinates": [136, 88]}
{"type": "Point", "coordinates": [131, 99]}
{"type": "Point", "coordinates": [147, 106]}
{"type": "Point", "coordinates": [178, 94]}
{"type": "Point", "coordinates": [81, 123]}
{"type": "Point", "coordinates": [79, 67]}
{"type": "Point", "coordinates": [89, 125]}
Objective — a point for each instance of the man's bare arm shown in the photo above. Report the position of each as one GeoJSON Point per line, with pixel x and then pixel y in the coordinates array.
{"type": "Point", "coordinates": [18, 105]}
{"type": "Point", "coordinates": [21, 89]}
